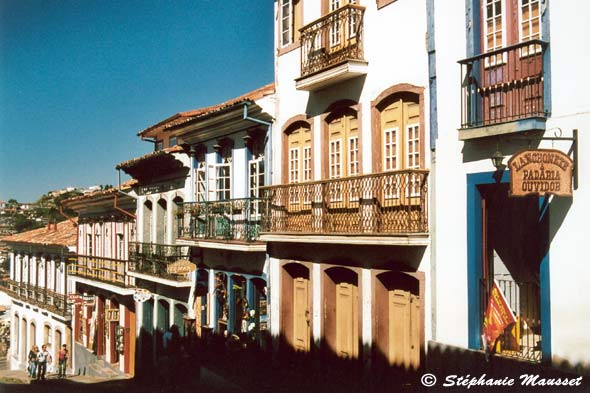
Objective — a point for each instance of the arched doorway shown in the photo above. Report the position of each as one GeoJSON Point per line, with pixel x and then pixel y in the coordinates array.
{"type": "Point", "coordinates": [398, 327]}
{"type": "Point", "coordinates": [162, 323]}
{"type": "Point", "coordinates": [201, 305]}
{"type": "Point", "coordinates": [341, 313]}
{"type": "Point", "coordinates": [260, 307]}
{"type": "Point", "coordinates": [112, 332]}
{"type": "Point", "coordinates": [179, 312]}
{"type": "Point", "coordinates": [296, 306]}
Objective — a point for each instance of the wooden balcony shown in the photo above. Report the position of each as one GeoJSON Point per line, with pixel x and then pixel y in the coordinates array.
{"type": "Point", "coordinates": [106, 270]}
{"type": "Point", "coordinates": [505, 85]}
{"type": "Point", "coordinates": [232, 220]}
{"type": "Point", "coordinates": [390, 203]}
{"type": "Point", "coordinates": [332, 48]}
{"type": "Point", "coordinates": [41, 297]}
{"type": "Point", "coordinates": [151, 259]}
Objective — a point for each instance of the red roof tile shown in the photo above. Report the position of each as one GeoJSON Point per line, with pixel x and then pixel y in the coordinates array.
{"type": "Point", "coordinates": [184, 117]}
{"type": "Point", "coordinates": [133, 161]}
{"type": "Point", "coordinates": [61, 234]}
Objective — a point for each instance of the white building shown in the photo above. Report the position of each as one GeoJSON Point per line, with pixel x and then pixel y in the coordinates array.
{"type": "Point", "coordinates": [38, 285]}
{"type": "Point", "coordinates": [520, 85]}
{"type": "Point", "coordinates": [348, 232]}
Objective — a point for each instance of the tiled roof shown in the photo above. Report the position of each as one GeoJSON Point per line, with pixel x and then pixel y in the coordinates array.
{"type": "Point", "coordinates": [61, 234]}
{"type": "Point", "coordinates": [91, 195]}
{"type": "Point", "coordinates": [185, 117]}
{"type": "Point", "coordinates": [133, 161]}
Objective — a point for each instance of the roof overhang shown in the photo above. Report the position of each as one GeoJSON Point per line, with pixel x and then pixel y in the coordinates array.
{"type": "Point", "coordinates": [152, 165]}
{"type": "Point", "coordinates": [221, 122]}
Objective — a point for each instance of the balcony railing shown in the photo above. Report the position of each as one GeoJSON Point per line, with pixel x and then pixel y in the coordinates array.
{"type": "Point", "coordinates": [503, 85]}
{"type": "Point", "coordinates": [332, 39]}
{"type": "Point", "coordinates": [228, 220]}
{"type": "Point", "coordinates": [522, 339]}
{"type": "Point", "coordinates": [384, 203]}
{"type": "Point", "coordinates": [108, 270]}
{"type": "Point", "coordinates": [153, 259]}
{"type": "Point", "coordinates": [38, 296]}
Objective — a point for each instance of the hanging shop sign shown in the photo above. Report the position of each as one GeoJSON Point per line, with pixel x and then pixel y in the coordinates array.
{"type": "Point", "coordinates": [112, 315]}
{"type": "Point", "coordinates": [74, 298]}
{"type": "Point", "coordinates": [79, 299]}
{"type": "Point", "coordinates": [141, 295]}
{"type": "Point", "coordinates": [182, 266]}
{"type": "Point", "coordinates": [541, 171]}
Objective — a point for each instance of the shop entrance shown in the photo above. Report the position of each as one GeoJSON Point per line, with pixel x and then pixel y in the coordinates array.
{"type": "Point", "coordinates": [514, 243]}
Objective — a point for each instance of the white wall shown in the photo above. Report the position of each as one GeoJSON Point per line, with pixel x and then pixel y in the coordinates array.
{"type": "Point", "coordinates": [569, 268]}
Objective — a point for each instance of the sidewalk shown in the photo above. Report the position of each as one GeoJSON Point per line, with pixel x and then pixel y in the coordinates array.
{"type": "Point", "coordinates": [19, 381]}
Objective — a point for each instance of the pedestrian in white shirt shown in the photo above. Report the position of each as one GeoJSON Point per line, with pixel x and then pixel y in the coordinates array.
{"type": "Point", "coordinates": [42, 358]}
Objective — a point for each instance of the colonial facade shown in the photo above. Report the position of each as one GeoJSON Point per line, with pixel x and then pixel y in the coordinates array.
{"type": "Point", "coordinates": [347, 227]}
{"type": "Point", "coordinates": [230, 151]}
{"type": "Point", "coordinates": [161, 180]}
{"type": "Point", "coordinates": [38, 285]}
{"type": "Point", "coordinates": [516, 88]}
{"type": "Point", "coordinates": [104, 321]}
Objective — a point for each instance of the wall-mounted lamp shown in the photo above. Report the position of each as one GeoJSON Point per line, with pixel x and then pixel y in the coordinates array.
{"type": "Point", "coordinates": [497, 159]}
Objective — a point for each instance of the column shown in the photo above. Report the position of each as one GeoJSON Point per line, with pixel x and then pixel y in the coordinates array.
{"type": "Point", "coordinates": [171, 311]}
{"type": "Point", "coordinates": [212, 300]}
{"type": "Point", "coordinates": [169, 216]}
{"type": "Point", "coordinates": [316, 280]}
{"type": "Point", "coordinates": [274, 285]}
{"type": "Point", "coordinates": [367, 321]}
{"type": "Point", "coordinates": [12, 266]}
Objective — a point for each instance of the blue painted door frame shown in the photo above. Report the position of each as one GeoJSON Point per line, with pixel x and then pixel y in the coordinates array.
{"type": "Point", "coordinates": [474, 262]}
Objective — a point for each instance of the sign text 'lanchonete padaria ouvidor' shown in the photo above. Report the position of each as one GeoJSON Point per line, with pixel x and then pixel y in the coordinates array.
{"type": "Point", "coordinates": [541, 171]}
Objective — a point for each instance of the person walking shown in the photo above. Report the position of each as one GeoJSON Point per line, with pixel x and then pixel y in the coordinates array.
{"type": "Point", "coordinates": [33, 361]}
{"type": "Point", "coordinates": [63, 361]}
{"type": "Point", "coordinates": [42, 358]}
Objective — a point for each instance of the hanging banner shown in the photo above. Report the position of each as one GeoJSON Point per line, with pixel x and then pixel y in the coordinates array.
{"type": "Point", "coordinates": [498, 316]}
{"type": "Point", "coordinates": [182, 266]}
{"type": "Point", "coordinates": [541, 171]}
{"type": "Point", "coordinates": [141, 295]}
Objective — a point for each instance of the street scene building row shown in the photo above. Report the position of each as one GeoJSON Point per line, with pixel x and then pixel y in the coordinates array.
{"type": "Point", "coordinates": [358, 209]}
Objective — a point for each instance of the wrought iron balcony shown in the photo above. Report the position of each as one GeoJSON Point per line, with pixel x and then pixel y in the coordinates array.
{"type": "Point", "coordinates": [229, 220]}
{"type": "Point", "coordinates": [38, 296]}
{"type": "Point", "coordinates": [108, 270]}
{"type": "Point", "coordinates": [332, 40]}
{"type": "Point", "coordinates": [504, 85]}
{"type": "Point", "coordinates": [153, 259]}
{"type": "Point", "coordinates": [384, 203]}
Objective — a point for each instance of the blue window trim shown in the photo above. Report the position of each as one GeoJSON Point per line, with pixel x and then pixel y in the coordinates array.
{"type": "Point", "coordinates": [474, 263]}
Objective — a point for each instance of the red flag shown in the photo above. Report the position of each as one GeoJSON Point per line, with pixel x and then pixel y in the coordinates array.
{"type": "Point", "coordinates": [498, 316]}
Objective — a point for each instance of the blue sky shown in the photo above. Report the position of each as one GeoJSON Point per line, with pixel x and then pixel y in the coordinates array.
{"type": "Point", "coordinates": [79, 79]}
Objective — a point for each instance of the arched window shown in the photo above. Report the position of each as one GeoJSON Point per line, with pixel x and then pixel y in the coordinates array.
{"type": "Point", "coordinates": [298, 152]}
{"type": "Point", "coordinates": [147, 221]}
{"type": "Point", "coordinates": [400, 127]}
{"type": "Point", "coordinates": [343, 143]}
{"type": "Point", "coordinates": [398, 135]}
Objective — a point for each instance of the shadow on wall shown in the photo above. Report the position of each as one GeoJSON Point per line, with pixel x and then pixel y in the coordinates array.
{"type": "Point", "coordinates": [444, 360]}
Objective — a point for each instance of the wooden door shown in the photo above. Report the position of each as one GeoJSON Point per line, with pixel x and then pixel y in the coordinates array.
{"type": "Point", "coordinates": [404, 329]}
{"type": "Point", "coordinates": [346, 321]}
{"type": "Point", "coordinates": [301, 314]}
